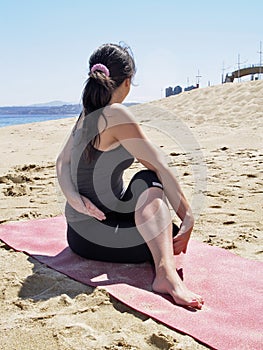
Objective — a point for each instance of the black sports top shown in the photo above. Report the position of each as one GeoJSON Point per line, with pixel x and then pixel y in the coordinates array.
{"type": "Point", "coordinates": [100, 180]}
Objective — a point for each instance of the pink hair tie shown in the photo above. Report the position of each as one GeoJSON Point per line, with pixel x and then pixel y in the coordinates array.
{"type": "Point", "coordinates": [101, 67]}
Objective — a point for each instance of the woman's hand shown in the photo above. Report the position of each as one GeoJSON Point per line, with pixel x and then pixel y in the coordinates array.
{"type": "Point", "coordinates": [181, 240]}
{"type": "Point", "coordinates": [92, 209]}
{"type": "Point", "coordinates": [85, 206]}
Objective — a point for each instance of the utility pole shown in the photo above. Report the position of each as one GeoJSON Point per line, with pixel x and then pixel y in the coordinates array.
{"type": "Point", "coordinates": [260, 58]}
{"type": "Point", "coordinates": [223, 72]}
{"type": "Point", "coordinates": [198, 76]}
{"type": "Point", "coordinates": [238, 66]}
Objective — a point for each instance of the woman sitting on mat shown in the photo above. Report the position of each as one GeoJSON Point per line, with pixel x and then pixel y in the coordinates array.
{"type": "Point", "coordinates": [106, 221]}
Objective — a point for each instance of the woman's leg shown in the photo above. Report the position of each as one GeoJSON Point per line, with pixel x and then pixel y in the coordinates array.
{"type": "Point", "coordinates": [153, 221]}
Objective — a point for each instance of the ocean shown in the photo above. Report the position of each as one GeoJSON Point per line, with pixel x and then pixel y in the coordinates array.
{"type": "Point", "coordinates": [15, 119]}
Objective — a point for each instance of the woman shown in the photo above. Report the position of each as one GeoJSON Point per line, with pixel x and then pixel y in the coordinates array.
{"type": "Point", "coordinates": [106, 221]}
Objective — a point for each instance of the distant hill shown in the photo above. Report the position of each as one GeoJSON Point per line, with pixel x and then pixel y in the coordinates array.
{"type": "Point", "coordinates": [42, 109]}
{"type": "Point", "coordinates": [51, 104]}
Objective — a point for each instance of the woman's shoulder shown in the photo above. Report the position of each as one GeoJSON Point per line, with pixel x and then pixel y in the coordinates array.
{"type": "Point", "coordinates": [116, 107]}
{"type": "Point", "coordinates": [119, 112]}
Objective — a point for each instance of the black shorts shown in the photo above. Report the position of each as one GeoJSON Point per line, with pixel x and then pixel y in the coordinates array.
{"type": "Point", "coordinates": [116, 239]}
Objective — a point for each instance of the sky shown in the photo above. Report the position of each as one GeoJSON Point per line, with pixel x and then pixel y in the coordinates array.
{"type": "Point", "coordinates": [45, 44]}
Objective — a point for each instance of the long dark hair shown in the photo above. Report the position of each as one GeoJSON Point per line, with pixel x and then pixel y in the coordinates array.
{"type": "Point", "coordinates": [99, 86]}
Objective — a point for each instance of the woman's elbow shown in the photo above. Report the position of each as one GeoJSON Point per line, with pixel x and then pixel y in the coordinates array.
{"type": "Point", "coordinates": [61, 162]}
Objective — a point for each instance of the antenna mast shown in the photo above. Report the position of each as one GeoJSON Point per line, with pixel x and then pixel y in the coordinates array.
{"type": "Point", "coordinates": [260, 58]}
{"type": "Point", "coordinates": [198, 76]}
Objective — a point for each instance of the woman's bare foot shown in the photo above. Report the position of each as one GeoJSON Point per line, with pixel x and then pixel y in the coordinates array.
{"type": "Point", "coordinates": [167, 281]}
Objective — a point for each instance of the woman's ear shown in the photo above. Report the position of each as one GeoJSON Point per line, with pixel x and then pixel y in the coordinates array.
{"type": "Point", "coordinates": [127, 82]}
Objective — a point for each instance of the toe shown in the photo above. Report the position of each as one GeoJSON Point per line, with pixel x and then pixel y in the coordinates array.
{"type": "Point", "coordinates": [199, 298]}
{"type": "Point", "coordinates": [196, 304]}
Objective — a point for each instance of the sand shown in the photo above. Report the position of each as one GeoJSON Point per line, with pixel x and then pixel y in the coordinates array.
{"type": "Point", "coordinates": [212, 139]}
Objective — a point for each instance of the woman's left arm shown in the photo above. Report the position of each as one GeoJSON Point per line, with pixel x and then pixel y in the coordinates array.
{"type": "Point", "coordinates": [75, 200]}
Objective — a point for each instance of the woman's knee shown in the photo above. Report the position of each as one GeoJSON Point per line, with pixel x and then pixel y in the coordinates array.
{"type": "Point", "coordinates": [152, 213]}
{"type": "Point", "coordinates": [151, 202]}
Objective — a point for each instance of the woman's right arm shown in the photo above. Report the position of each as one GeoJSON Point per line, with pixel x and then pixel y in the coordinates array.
{"type": "Point", "coordinates": [75, 200]}
{"type": "Point", "coordinates": [126, 131]}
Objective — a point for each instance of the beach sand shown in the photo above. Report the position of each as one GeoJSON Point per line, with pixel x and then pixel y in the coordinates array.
{"type": "Point", "coordinates": [212, 139]}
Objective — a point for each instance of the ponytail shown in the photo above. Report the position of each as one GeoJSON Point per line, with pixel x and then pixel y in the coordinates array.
{"type": "Point", "coordinates": [109, 65]}
{"type": "Point", "coordinates": [97, 92]}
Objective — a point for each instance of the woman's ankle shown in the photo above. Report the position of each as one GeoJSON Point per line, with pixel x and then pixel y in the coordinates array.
{"type": "Point", "coordinates": [165, 267]}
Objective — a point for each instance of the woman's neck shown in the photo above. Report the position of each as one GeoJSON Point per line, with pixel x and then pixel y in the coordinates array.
{"type": "Point", "coordinates": [116, 98]}
{"type": "Point", "coordinates": [119, 94]}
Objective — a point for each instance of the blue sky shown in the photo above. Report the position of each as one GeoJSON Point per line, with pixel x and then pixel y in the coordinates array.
{"type": "Point", "coordinates": [45, 44]}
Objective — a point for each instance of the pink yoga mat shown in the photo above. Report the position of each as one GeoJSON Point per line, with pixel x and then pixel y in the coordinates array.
{"type": "Point", "coordinates": [231, 286]}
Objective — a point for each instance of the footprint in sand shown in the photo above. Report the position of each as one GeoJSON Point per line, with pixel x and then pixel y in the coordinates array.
{"type": "Point", "coordinates": [249, 175]}
{"type": "Point", "coordinates": [223, 243]}
{"type": "Point", "coordinates": [162, 341]}
{"type": "Point", "coordinates": [16, 179]}
{"type": "Point", "coordinates": [229, 222]}
{"type": "Point", "coordinates": [30, 215]}
{"type": "Point", "coordinates": [174, 154]}
{"type": "Point", "coordinates": [248, 237]}
{"type": "Point", "coordinates": [224, 148]}
{"type": "Point", "coordinates": [16, 191]}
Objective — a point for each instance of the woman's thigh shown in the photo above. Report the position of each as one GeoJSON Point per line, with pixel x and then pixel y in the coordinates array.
{"type": "Point", "coordinates": [108, 243]}
{"type": "Point", "coordinates": [104, 249]}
